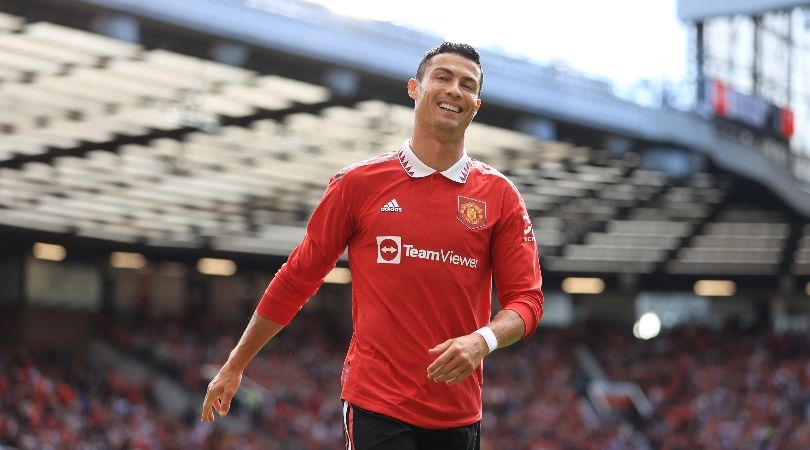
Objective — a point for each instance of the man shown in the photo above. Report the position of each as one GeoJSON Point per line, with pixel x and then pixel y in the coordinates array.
{"type": "Point", "coordinates": [427, 229]}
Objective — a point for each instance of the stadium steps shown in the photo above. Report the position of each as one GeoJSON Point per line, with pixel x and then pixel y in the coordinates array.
{"type": "Point", "coordinates": [654, 201]}
{"type": "Point", "coordinates": [697, 230]}
{"type": "Point", "coordinates": [626, 212]}
{"type": "Point", "coordinates": [596, 237]}
{"type": "Point", "coordinates": [579, 229]}
{"type": "Point", "coordinates": [792, 246]}
{"type": "Point", "coordinates": [171, 395]}
{"type": "Point", "coordinates": [606, 398]}
{"type": "Point", "coordinates": [178, 134]}
{"type": "Point", "coordinates": [175, 396]}
{"type": "Point", "coordinates": [801, 253]}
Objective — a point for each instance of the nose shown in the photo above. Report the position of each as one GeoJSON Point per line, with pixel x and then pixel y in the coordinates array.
{"type": "Point", "coordinates": [453, 90]}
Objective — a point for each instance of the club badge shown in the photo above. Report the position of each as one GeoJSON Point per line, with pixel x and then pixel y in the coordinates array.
{"type": "Point", "coordinates": [471, 212]}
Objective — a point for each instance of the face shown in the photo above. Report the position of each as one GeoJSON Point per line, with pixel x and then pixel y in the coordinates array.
{"type": "Point", "coordinates": [446, 98]}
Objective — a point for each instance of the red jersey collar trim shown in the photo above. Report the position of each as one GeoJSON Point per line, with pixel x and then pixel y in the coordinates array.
{"type": "Point", "coordinates": [415, 168]}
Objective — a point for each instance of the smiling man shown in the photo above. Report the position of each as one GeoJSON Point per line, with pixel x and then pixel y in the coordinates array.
{"type": "Point", "coordinates": [427, 228]}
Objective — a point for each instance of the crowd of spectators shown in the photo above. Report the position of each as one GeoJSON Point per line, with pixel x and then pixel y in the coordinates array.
{"type": "Point", "coordinates": [532, 400]}
{"type": "Point", "coordinates": [717, 389]}
{"type": "Point", "coordinates": [298, 372]}
{"type": "Point", "coordinates": [57, 401]}
{"type": "Point", "coordinates": [720, 390]}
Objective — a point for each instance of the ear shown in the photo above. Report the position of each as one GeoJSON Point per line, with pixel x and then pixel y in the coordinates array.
{"type": "Point", "coordinates": [477, 106]}
{"type": "Point", "coordinates": [413, 88]}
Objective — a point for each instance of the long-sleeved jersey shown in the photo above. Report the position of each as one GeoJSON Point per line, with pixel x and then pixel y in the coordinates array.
{"type": "Point", "coordinates": [424, 247]}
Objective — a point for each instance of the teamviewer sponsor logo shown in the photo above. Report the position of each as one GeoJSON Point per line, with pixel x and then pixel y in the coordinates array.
{"type": "Point", "coordinates": [389, 249]}
{"type": "Point", "coordinates": [441, 255]}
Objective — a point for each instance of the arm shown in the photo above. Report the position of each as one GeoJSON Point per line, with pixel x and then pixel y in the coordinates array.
{"type": "Point", "coordinates": [224, 385]}
{"type": "Point", "coordinates": [516, 270]}
{"type": "Point", "coordinates": [508, 327]}
{"type": "Point", "coordinates": [298, 279]}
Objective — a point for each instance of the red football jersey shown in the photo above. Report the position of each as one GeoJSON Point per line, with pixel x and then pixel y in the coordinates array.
{"type": "Point", "coordinates": [424, 247]}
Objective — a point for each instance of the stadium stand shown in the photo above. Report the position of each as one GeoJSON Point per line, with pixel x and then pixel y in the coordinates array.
{"type": "Point", "coordinates": [801, 257]}
{"type": "Point", "coordinates": [123, 162]}
{"type": "Point", "coordinates": [737, 241]}
{"type": "Point", "coordinates": [644, 235]}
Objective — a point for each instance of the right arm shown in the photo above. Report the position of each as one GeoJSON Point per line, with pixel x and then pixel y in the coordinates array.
{"type": "Point", "coordinates": [326, 237]}
{"type": "Point", "coordinates": [224, 385]}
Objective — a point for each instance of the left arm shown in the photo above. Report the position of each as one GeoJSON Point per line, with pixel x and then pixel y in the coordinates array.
{"type": "Point", "coordinates": [460, 356]}
{"type": "Point", "coordinates": [516, 269]}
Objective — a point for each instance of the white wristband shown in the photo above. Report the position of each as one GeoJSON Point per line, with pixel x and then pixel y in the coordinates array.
{"type": "Point", "coordinates": [489, 336]}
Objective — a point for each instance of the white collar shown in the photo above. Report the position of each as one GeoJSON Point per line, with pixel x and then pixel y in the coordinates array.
{"type": "Point", "coordinates": [414, 167]}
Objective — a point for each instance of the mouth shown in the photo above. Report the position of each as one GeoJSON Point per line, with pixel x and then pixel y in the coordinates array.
{"type": "Point", "coordinates": [449, 107]}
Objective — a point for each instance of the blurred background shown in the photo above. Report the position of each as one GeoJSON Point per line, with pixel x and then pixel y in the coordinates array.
{"type": "Point", "coordinates": [159, 160]}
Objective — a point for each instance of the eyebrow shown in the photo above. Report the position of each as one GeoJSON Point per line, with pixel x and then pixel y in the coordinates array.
{"type": "Point", "coordinates": [465, 77]}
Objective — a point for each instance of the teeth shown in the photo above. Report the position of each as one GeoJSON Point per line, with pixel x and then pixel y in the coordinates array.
{"type": "Point", "coordinates": [449, 107]}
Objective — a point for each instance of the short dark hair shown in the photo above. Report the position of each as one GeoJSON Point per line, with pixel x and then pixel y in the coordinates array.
{"type": "Point", "coordinates": [458, 48]}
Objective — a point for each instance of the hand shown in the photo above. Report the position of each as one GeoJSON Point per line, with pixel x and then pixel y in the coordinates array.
{"type": "Point", "coordinates": [220, 392]}
{"type": "Point", "coordinates": [458, 357]}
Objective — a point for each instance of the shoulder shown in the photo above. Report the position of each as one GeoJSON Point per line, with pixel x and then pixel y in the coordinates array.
{"type": "Point", "coordinates": [492, 176]}
{"type": "Point", "coordinates": [497, 182]}
{"type": "Point", "coordinates": [368, 165]}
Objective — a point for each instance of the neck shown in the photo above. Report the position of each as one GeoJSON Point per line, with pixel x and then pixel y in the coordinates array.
{"type": "Point", "coordinates": [436, 152]}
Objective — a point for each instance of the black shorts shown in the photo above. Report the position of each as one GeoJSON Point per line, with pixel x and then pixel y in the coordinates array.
{"type": "Point", "coordinates": [366, 430]}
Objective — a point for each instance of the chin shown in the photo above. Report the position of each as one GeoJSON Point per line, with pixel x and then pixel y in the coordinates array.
{"type": "Point", "coordinates": [445, 126]}
{"type": "Point", "coordinates": [456, 121]}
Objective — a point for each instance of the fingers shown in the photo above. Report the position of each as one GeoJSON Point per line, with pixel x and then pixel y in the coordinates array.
{"type": "Point", "coordinates": [451, 360]}
{"type": "Point", "coordinates": [458, 375]}
{"type": "Point", "coordinates": [225, 403]}
{"type": "Point", "coordinates": [219, 395]}
{"type": "Point", "coordinates": [446, 356]}
{"type": "Point", "coordinates": [207, 413]}
{"type": "Point", "coordinates": [452, 370]}
{"type": "Point", "coordinates": [216, 399]}
{"type": "Point", "coordinates": [457, 359]}
{"type": "Point", "coordinates": [441, 347]}
{"type": "Point", "coordinates": [440, 366]}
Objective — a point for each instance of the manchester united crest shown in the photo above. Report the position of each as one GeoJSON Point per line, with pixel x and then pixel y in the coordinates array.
{"type": "Point", "coordinates": [471, 212]}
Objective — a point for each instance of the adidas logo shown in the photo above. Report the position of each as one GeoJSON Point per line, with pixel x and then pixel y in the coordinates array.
{"type": "Point", "coordinates": [391, 206]}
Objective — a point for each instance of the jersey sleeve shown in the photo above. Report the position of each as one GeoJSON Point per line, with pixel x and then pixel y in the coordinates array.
{"type": "Point", "coordinates": [327, 234]}
{"type": "Point", "coordinates": [516, 264]}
